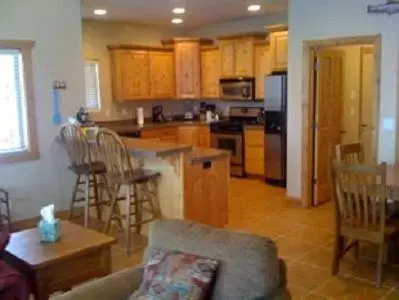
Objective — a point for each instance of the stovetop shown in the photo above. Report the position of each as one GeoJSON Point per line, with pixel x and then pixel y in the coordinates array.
{"type": "Point", "coordinates": [232, 125]}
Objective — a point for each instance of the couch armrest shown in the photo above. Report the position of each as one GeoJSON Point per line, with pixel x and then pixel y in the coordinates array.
{"type": "Point", "coordinates": [117, 286]}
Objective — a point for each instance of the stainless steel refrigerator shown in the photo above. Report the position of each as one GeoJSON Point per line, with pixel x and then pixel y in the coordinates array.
{"type": "Point", "coordinates": [275, 105]}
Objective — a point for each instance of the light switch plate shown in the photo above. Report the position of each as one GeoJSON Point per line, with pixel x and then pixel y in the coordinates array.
{"type": "Point", "coordinates": [388, 124]}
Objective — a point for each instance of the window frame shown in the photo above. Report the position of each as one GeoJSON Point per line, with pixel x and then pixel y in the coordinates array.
{"type": "Point", "coordinates": [32, 152]}
{"type": "Point", "coordinates": [97, 62]}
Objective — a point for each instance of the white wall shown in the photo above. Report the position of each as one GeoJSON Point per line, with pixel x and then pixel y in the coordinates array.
{"type": "Point", "coordinates": [56, 28]}
{"type": "Point", "coordinates": [323, 19]}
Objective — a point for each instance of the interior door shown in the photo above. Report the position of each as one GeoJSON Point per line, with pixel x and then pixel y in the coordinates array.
{"type": "Point", "coordinates": [367, 128]}
{"type": "Point", "coordinates": [328, 103]}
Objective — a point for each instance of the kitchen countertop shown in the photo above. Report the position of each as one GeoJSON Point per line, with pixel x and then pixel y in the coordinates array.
{"type": "Point", "coordinates": [129, 126]}
{"type": "Point", "coordinates": [256, 126]}
{"type": "Point", "coordinates": [153, 148]}
{"type": "Point", "coordinates": [201, 155]}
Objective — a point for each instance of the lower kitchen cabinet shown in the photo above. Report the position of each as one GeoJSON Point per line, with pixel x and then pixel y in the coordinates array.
{"type": "Point", "coordinates": [254, 150]}
{"type": "Point", "coordinates": [187, 135]}
{"type": "Point", "coordinates": [206, 191]}
{"type": "Point", "coordinates": [162, 134]}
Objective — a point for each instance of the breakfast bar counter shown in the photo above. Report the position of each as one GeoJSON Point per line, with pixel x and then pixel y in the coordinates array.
{"type": "Point", "coordinates": [194, 182]}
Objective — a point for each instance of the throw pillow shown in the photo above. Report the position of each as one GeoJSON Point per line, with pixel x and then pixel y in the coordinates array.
{"type": "Point", "coordinates": [173, 275]}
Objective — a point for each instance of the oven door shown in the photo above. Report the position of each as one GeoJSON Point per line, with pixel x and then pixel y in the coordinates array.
{"type": "Point", "coordinates": [230, 142]}
{"type": "Point", "coordinates": [240, 90]}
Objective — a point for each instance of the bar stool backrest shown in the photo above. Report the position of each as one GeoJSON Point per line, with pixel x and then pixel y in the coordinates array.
{"type": "Point", "coordinates": [76, 144]}
{"type": "Point", "coordinates": [115, 156]}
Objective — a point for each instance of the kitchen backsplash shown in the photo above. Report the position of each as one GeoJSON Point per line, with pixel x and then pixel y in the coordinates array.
{"type": "Point", "coordinates": [125, 111]}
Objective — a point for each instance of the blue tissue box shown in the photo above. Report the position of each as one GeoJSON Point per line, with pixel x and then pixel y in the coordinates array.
{"type": "Point", "coordinates": [49, 232]}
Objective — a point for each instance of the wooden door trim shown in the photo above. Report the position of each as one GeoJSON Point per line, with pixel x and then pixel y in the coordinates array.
{"type": "Point", "coordinates": [308, 101]}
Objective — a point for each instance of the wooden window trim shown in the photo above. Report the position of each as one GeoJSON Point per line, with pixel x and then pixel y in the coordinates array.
{"type": "Point", "coordinates": [32, 153]}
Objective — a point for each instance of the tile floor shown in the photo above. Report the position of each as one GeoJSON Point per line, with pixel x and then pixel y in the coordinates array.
{"type": "Point", "coordinates": [304, 239]}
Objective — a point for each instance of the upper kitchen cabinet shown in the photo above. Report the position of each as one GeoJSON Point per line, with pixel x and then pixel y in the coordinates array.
{"type": "Point", "coordinates": [278, 36]}
{"type": "Point", "coordinates": [130, 74]}
{"type": "Point", "coordinates": [187, 66]}
{"type": "Point", "coordinates": [162, 78]}
{"type": "Point", "coordinates": [237, 54]}
{"type": "Point", "coordinates": [227, 58]}
{"type": "Point", "coordinates": [262, 68]}
{"type": "Point", "coordinates": [210, 72]}
{"type": "Point", "coordinates": [140, 72]}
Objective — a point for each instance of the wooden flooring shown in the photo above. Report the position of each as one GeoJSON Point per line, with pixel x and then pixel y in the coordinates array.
{"type": "Point", "coordinates": [304, 239]}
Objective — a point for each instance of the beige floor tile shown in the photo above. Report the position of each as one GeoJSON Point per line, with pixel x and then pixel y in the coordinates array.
{"type": "Point", "coordinates": [346, 288]}
{"type": "Point", "coordinates": [306, 276]}
{"type": "Point", "coordinates": [312, 296]}
{"type": "Point", "coordinates": [393, 295]}
{"type": "Point", "coordinates": [297, 292]}
{"type": "Point", "coordinates": [311, 235]}
{"type": "Point", "coordinates": [292, 247]}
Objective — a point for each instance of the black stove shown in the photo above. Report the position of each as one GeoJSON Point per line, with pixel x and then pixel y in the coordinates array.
{"type": "Point", "coordinates": [239, 117]}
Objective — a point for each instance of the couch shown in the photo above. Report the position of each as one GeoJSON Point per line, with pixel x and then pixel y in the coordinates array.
{"type": "Point", "coordinates": [249, 265]}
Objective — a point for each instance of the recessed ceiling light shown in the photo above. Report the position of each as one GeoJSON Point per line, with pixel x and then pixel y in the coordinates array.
{"type": "Point", "coordinates": [100, 12]}
{"type": "Point", "coordinates": [177, 21]}
{"type": "Point", "coordinates": [254, 7]}
{"type": "Point", "coordinates": [179, 10]}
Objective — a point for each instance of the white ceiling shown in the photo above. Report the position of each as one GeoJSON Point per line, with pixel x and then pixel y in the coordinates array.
{"type": "Point", "coordinates": [198, 12]}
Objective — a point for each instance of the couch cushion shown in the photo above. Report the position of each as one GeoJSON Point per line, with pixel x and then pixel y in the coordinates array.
{"type": "Point", "coordinates": [176, 275]}
{"type": "Point", "coordinates": [249, 266]}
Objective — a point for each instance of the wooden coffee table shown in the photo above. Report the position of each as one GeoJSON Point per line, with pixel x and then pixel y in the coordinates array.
{"type": "Point", "coordinates": [80, 255]}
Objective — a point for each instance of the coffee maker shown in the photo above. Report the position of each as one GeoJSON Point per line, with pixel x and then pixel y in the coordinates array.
{"type": "Point", "coordinates": [157, 114]}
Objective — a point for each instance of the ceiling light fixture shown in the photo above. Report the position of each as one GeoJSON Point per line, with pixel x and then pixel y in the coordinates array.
{"type": "Point", "coordinates": [177, 21]}
{"type": "Point", "coordinates": [100, 12]}
{"type": "Point", "coordinates": [179, 10]}
{"type": "Point", "coordinates": [254, 7]}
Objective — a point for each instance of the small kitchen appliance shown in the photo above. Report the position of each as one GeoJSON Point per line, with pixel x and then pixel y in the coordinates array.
{"type": "Point", "coordinates": [157, 114]}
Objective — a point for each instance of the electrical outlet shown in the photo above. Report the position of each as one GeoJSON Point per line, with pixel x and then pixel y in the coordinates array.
{"type": "Point", "coordinates": [59, 84]}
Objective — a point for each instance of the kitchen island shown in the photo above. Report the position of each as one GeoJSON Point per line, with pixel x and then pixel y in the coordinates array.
{"type": "Point", "coordinates": [194, 182]}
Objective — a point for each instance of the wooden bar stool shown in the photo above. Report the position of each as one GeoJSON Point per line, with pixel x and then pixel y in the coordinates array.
{"type": "Point", "coordinates": [140, 186]}
{"type": "Point", "coordinates": [88, 172]}
{"type": "Point", "coordinates": [5, 210]}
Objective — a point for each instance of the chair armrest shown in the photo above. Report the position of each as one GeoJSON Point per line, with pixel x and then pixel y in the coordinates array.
{"type": "Point", "coordinates": [117, 286]}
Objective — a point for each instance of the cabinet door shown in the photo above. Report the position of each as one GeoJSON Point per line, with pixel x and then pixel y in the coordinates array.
{"type": "Point", "coordinates": [279, 45]}
{"type": "Point", "coordinates": [162, 75]}
{"type": "Point", "coordinates": [131, 75]}
{"type": "Point", "coordinates": [262, 68]}
{"type": "Point", "coordinates": [244, 57]}
{"type": "Point", "coordinates": [204, 137]}
{"type": "Point", "coordinates": [210, 65]}
{"type": "Point", "coordinates": [187, 135]}
{"type": "Point", "coordinates": [227, 58]}
{"type": "Point", "coordinates": [188, 72]}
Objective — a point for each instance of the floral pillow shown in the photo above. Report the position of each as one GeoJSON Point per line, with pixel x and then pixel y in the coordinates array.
{"type": "Point", "coordinates": [173, 275]}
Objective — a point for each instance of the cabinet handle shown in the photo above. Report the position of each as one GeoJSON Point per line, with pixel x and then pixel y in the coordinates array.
{"type": "Point", "coordinates": [207, 164]}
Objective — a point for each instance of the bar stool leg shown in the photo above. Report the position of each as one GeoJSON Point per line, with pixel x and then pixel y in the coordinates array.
{"type": "Point", "coordinates": [75, 191]}
{"type": "Point", "coordinates": [138, 202]}
{"type": "Point", "coordinates": [97, 194]}
{"type": "Point", "coordinates": [128, 213]}
{"type": "Point", "coordinates": [113, 195]}
{"type": "Point", "coordinates": [87, 201]}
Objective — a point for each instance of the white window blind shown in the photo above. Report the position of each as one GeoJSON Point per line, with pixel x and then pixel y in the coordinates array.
{"type": "Point", "coordinates": [13, 128]}
{"type": "Point", "coordinates": [92, 85]}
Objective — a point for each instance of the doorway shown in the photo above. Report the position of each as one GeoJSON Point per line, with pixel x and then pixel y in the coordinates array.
{"type": "Point", "coordinates": [340, 105]}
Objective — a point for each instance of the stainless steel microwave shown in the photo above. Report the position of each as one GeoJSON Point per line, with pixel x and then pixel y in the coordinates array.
{"type": "Point", "coordinates": [238, 88]}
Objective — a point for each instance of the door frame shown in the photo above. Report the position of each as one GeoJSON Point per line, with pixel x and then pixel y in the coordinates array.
{"type": "Point", "coordinates": [309, 101]}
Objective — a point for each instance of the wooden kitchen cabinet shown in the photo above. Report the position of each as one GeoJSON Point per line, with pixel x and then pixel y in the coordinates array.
{"type": "Point", "coordinates": [140, 72]}
{"type": "Point", "coordinates": [279, 50]}
{"type": "Point", "coordinates": [188, 69]}
{"type": "Point", "coordinates": [130, 74]}
{"type": "Point", "coordinates": [204, 136]}
{"type": "Point", "coordinates": [262, 68]}
{"type": "Point", "coordinates": [237, 57]}
{"type": "Point", "coordinates": [227, 58]}
{"type": "Point", "coordinates": [162, 77]}
{"type": "Point", "coordinates": [168, 134]}
{"type": "Point", "coordinates": [244, 57]}
{"type": "Point", "coordinates": [187, 135]}
{"type": "Point", "coordinates": [206, 191]}
{"type": "Point", "coordinates": [254, 150]}
{"type": "Point", "coordinates": [210, 73]}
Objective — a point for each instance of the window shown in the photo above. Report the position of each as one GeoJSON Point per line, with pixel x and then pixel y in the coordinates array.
{"type": "Point", "coordinates": [17, 118]}
{"type": "Point", "coordinates": [92, 85]}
